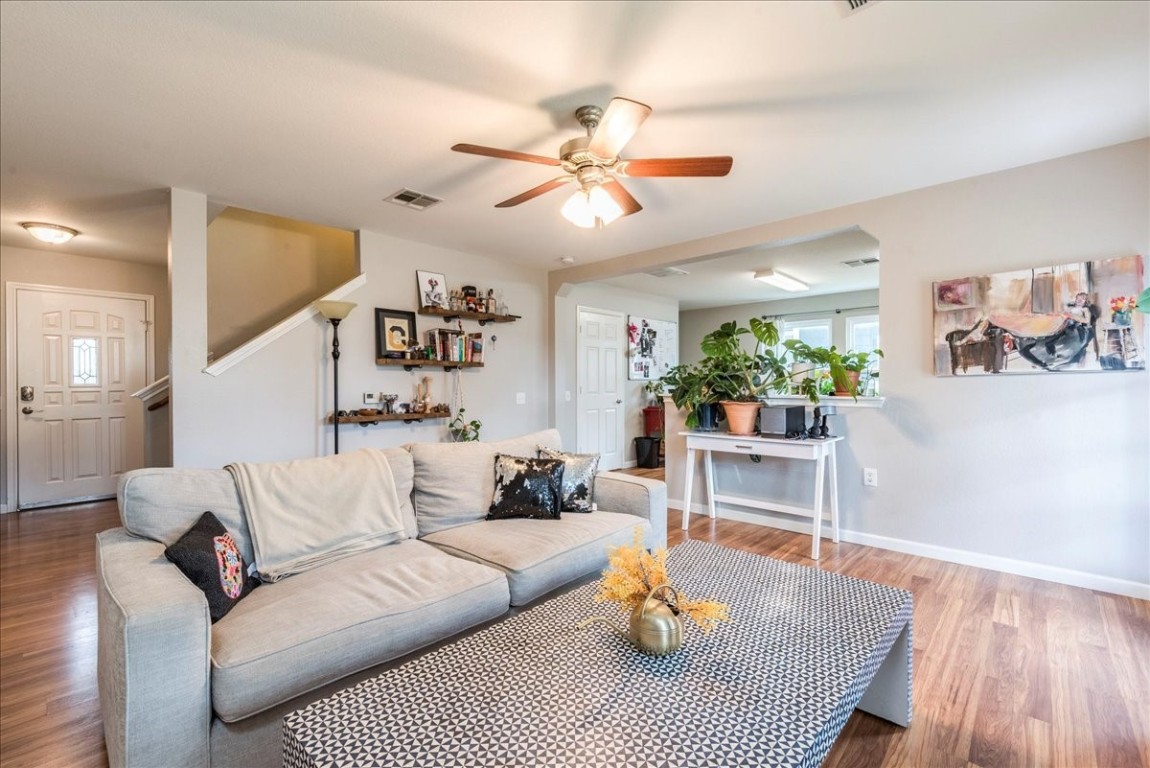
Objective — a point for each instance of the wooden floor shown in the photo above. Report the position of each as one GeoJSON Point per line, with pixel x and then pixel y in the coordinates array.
{"type": "Point", "coordinates": [1008, 671]}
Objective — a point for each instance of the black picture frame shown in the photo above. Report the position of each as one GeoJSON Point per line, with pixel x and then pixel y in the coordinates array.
{"type": "Point", "coordinates": [387, 344]}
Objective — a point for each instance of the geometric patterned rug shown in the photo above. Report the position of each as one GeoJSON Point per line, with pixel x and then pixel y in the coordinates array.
{"type": "Point", "coordinates": [773, 686]}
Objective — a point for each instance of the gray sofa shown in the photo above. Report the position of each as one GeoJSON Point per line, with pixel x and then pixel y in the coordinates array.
{"type": "Point", "coordinates": [176, 690]}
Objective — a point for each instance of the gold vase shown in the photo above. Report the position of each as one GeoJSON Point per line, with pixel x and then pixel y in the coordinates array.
{"type": "Point", "coordinates": [654, 628]}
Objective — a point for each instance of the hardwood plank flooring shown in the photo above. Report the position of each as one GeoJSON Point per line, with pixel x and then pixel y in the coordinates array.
{"type": "Point", "coordinates": [1007, 670]}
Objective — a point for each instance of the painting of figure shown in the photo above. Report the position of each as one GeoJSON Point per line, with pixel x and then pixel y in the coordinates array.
{"type": "Point", "coordinates": [1071, 317]}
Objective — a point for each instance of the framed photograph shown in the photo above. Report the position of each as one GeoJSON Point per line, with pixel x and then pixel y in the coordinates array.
{"type": "Point", "coordinates": [432, 289]}
{"type": "Point", "coordinates": [394, 332]}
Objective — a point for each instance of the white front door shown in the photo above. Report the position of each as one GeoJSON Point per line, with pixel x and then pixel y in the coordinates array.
{"type": "Point", "coordinates": [601, 348]}
{"type": "Point", "coordinates": [79, 357]}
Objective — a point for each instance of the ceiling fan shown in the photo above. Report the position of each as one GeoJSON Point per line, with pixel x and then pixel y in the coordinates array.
{"type": "Point", "coordinates": [593, 163]}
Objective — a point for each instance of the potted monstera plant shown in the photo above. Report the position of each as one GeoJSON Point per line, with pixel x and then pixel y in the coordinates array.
{"type": "Point", "coordinates": [742, 379]}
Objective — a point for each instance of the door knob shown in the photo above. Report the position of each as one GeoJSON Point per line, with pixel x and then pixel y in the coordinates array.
{"type": "Point", "coordinates": [26, 410]}
{"type": "Point", "coordinates": [618, 402]}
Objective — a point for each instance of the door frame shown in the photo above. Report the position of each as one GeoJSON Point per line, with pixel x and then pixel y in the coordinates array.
{"type": "Point", "coordinates": [579, 310]}
{"type": "Point", "coordinates": [11, 384]}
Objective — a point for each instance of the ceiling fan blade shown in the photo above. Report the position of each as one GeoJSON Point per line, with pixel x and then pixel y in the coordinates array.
{"type": "Point", "coordinates": [675, 166]}
{"type": "Point", "coordinates": [619, 123]}
{"type": "Point", "coordinates": [624, 198]}
{"type": "Point", "coordinates": [504, 154]}
{"type": "Point", "coordinates": [534, 192]}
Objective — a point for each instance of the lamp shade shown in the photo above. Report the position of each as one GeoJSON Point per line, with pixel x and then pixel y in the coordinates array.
{"type": "Point", "coordinates": [49, 233]}
{"type": "Point", "coordinates": [779, 280]}
{"type": "Point", "coordinates": [334, 310]}
{"type": "Point", "coordinates": [591, 203]}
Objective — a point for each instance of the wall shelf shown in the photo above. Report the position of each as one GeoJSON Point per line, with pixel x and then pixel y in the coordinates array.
{"type": "Point", "coordinates": [411, 364]}
{"type": "Point", "coordinates": [375, 418]}
{"type": "Point", "coordinates": [454, 314]}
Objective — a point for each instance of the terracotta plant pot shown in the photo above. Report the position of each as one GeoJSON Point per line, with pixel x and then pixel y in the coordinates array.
{"type": "Point", "coordinates": [741, 416]}
{"type": "Point", "coordinates": [854, 379]}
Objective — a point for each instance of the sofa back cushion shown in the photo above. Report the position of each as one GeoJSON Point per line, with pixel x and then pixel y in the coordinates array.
{"type": "Point", "coordinates": [455, 482]}
{"type": "Point", "coordinates": [161, 503]}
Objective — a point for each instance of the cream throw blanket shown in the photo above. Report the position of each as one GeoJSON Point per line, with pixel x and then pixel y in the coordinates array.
{"type": "Point", "coordinates": [308, 512]}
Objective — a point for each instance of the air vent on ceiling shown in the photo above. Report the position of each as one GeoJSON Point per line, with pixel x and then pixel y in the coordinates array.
{"type": "Point", "coordinates": [862, 262]}
{"type": "Point", "coordinates": [409, 198]}
{"type": "Point", "coordinates": [848, 7]}
{"type": "Point", "coordinates": [668, 272]}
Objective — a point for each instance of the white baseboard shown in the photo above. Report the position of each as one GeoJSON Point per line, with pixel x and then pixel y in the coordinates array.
{"type": "Point", "coordinates": [4, 509]}
{"type": "Point", "coordinates": [946, 554]}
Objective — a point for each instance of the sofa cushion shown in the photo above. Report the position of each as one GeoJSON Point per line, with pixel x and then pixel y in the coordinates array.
{"type": "Point", "coordinates": [578, 477]}
{"type": "Point", "coordinates": [297, 634]}
{"type": "Point", "coordinates": [540, 555]}
{"type": "Point", "coordinates": [454, 482]}
{"type": "Point", "coordinates": [207, 554]}
{"type": "Point", "coordinates": [526, 488]}
{"type": "Point", "coordinates": [160, 503]}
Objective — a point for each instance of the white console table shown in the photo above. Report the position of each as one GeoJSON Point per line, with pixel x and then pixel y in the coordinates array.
{"type": "Point", "coordinates": [822, 452]}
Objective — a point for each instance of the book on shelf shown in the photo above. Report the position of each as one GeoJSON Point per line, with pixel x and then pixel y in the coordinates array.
{"type": "Point", "coordinates": [454, 346]}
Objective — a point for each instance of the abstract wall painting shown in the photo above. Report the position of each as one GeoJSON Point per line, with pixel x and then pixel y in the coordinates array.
{"type": "Point", "coordinates": [1071, 317]}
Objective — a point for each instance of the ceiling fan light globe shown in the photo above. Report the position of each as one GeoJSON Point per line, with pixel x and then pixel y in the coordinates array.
{"type": "Point", "coordinates": [577, 210]}
{"type": "Point", "coordinates": [603, 205]}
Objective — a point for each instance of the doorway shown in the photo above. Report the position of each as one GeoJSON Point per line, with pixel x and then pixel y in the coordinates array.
{"type": "Point", "coordinates": [74, 427]}
{"type": "Point", "coordinates": [601, 345]}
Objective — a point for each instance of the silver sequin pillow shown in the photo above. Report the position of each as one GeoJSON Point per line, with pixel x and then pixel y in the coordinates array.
{"type": "Point", "coordinates": [526, 488]}
{"type": "Point", "coordinates": [578, 477]}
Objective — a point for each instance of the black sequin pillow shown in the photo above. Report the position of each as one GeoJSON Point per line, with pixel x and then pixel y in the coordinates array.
{"type": "Point", "coordinates": [526, 488]}
{"type": "Point", "coordinates": [578, 477]}
{"type": "Point", "coordinates": [207, 554]}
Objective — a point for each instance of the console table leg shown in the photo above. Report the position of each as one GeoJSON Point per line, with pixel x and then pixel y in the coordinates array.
{"type": "Point", "coordinates": [817, 527]}
{"type": "Point", "coordinates": [833, 468]}
{"type": "Point", "coordinates": [689, 475]}
{"type": "Point", "coordinates": [709, 471]}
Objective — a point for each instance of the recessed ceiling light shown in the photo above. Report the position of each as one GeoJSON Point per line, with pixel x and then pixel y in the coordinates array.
{"type": "Point", "coordinates": [779, 280]}
{"type": "Point", "coordinates": [49, 233]}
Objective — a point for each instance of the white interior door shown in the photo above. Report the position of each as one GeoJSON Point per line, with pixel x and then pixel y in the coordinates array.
{"type": "Point", "coordinates": [601, 360]}
{"type": "Point", "coordinates": [79, 358]}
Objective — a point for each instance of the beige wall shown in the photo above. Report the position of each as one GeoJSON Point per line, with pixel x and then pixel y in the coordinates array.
{"type": "Point", "coordinates": [26, 265]}
{"type": "Point", "coordinates": [1043, 474]}
{"type": "Point", "coordinates": [271, 406]}
{"type": "Point", "coordinates": [262, 268]}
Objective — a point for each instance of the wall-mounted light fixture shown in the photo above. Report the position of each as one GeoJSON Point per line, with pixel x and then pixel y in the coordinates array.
{"type": "Point", "coordinates": [49, 233]}
{"type": "Point", "coordinates": [779, 280]}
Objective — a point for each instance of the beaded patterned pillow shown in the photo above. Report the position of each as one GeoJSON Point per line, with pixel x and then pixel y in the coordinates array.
{"type": "Point", "coordinates": [578, 477]}
{"type": "Point", "coordinates": [207, 554]}
{"type": "Point", "coordinates": [526, 488]}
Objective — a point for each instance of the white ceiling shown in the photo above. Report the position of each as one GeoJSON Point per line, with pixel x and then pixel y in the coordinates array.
{"type": "Point", "coordinates": [318, 110]}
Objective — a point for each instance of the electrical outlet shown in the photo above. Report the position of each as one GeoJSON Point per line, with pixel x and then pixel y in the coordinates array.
{"type": "Point", "coordinates": [870, 477]}
{"type": "Point", "coordinates": [521, 398]}
{"type": "Point", "coordinates": [370, 398]}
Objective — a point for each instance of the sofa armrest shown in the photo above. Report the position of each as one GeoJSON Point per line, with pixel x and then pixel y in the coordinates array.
{"type": "Point", "coordinates": [154, 646]}
{"type": "Point", "coordinates": [633, 495]}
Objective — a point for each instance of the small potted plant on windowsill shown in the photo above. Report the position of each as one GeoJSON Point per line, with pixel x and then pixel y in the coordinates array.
{"type": "Point", "coordinates": [844, 368]}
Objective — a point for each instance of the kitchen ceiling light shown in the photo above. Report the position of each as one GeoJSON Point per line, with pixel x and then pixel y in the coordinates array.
{"type": "Point", "coordinates": [49, 233]}
{"type": "Point", "coordinates": [779, 280]}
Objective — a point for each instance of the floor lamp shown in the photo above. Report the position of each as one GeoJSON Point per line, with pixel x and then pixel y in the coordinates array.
{"type": "Point", "coordinates": [334, 312]}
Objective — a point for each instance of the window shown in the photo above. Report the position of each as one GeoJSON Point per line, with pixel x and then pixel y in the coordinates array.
{"type": "Point", "coordinates": [862, 333]}
{"type": "Point", "coordinates": [816, 332]}
{"type": "Point", "coordinates": [85, 362]}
